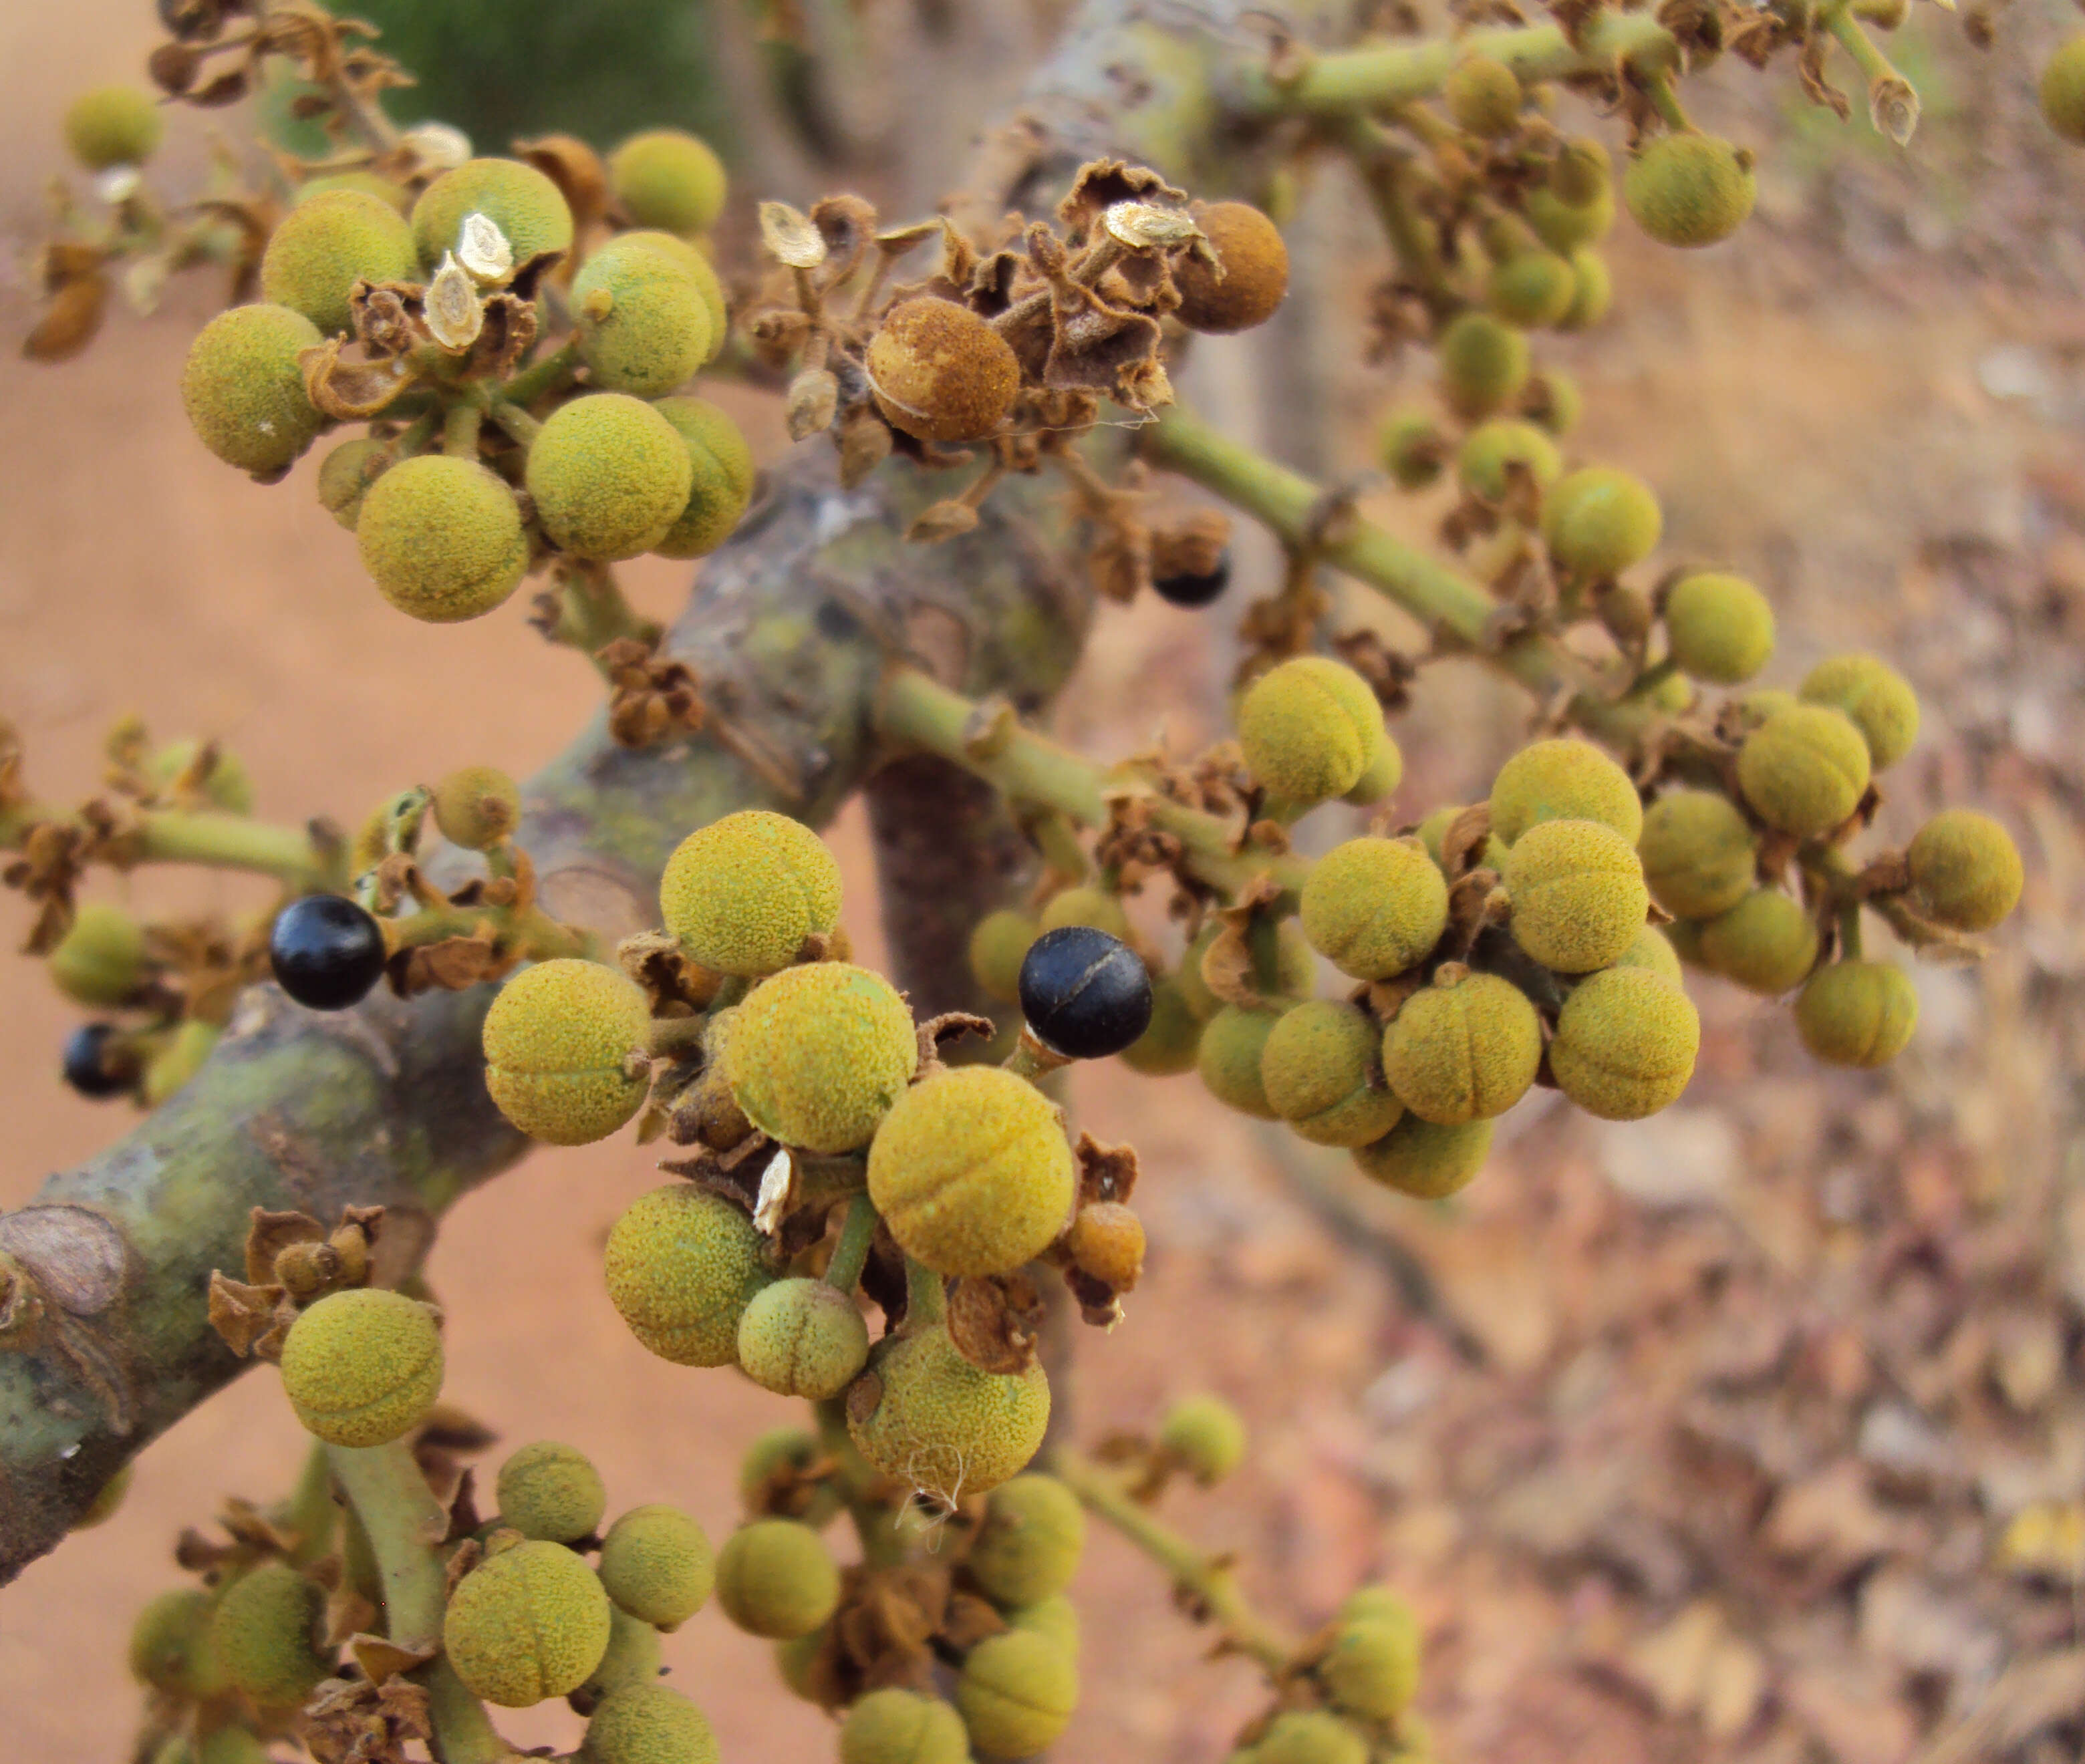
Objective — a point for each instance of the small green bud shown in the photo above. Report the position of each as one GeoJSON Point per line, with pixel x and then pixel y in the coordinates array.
{"type": "Point", "coordinates": [1625, 1044]}
{"type": "Point", "coordinates": [1057, 1619]}
{"type": "Point", "coordinates": [362, 1367]}
{"type": "Point", "coordinates": [1965, 869]}
{"type": "Point", "coordinates": [1581, 173]}
{"type": "Point", "coordinates": [925, 1416]}
{"type": "Point", "coordinates": [1804, 770]}
{"type": "Point", "coordinates": [243, 391]}
{"type": "Point", "coordinates": [657, 1565]}
{"type": "Point", "coordinates": [1689, 189]}
{"type": "Point", "coordinates": [264, 1632]}
{"type": "Point", "coordinates": [1857, 1013]}
{"type": "Point", "coordinates": [610, 475]}
{"type": "Point", "coordinates": [1578, 895]}
{"type": "Point", "coordinates": [1379, 777]}
{"type": "Point", "coordinates": [1494, 447]}
{"type": "Point", "coordinates": [743, 893]}
{"type": "Point", "coordinates": [557, 1041]}
{"type": "Point", "coordinates": [1570, 227]}
{"type": "Point", "coordinates": [1720, 627]}
{"type": "Point", "coordinates": [1483, 96]}
{"type": "Point", "coordinates": [1598, 521]}
{"type": "Point", "coordinates": [106, 1499]}
{"type": "Point", "coordinates": [1321, 1072]}
{"type": "Point", "coordinates": [649, 1724]}
{"type": "Point", "coordinates": [1592, 292]}
{"type": "Point", "coordinates": [477, 807]}
{"type": "Point", "coordinates": [1029, 1547]}
{"type": "Point", "coordinates": [1699, 855]}
{"type": "Point", "coordinates": [940, 372]}
{"type": "Point", "coordinates": [228, 786]}
{"type": "Point", "coordinates": [324, 244]}
{"type": "Point", "coordinates": [1016, 1694]}
{"type": "Point", "coordinates": [775, 1578]}
{"type": "Point", "coordinates": [818, 1055]}
{"type": "Point", "coordinates": [527, 1623]}
{"type": "Point", "coordinates": [641, 318]}
{"type": "Point", "coordinates": [1427, 1162]}
{"type": "Point", "coordinates": [1766, 943]}
{"type": "Point", "coordinates": [442, 538]}
{"type": "Point", "coordinates": [1174, 1039]}
{"type": "Point", "coordinates": [1554, 403]}
{"type": "Point", "coordinates": [716, 493]}
{"type": "Point", "coordinates": [710, 429]}
{"type": "Point", "coordinates": [1412, 447]}
{"type": "Point", "coordinates": [345, 474]}
{"type": "Point", "coordinates": [1879, 700]}
{"type": "Point", "coordinates": [113, 126]}
{"type": "Point", "coordinates": [998, 944]}
{"type": "Point", "coordinates": [170, 1648]}
{"type": "Point", "coordinates": [101, 959]}
{"type": "Point", "coordinates": [1563, 779]}
{"type": "Point", "coordinates": [682, 1265]}
{"type": "Point", "coordinates": [801, 1338]}
{"type": "Point", "coordinates": [523, 204]}
{"type": "Point", "coordinates": [552, 1492]}
{"type": "Point", "coordinates": [1309, 726]}
{"type": "Point", "coordinates": [902, 1727]}
{"type": "Point", "coordinates": [669, 179]}
{"type": "Point", "coordinates": [1532, 289]}
{"type": "Point", "coordinates": [1372, 1671]}
{"type": "Point", "coordinates": [1095, 907]}
{"type": "Point", "coordinates": [1464, 1049]}
{"type": "Point", "coordinates": [1484, 364]}
{"type": "Point", "coordinates": [1310, 1736]}
{"type": "Point", "coordinates": [1375, 908]}
{"type": "Point", "coordinates": [1233, 1045]}
{"type": "Point", "coordinates": [1206, 1436]}
{"type": "Point", "coordinates": [1254, 276]}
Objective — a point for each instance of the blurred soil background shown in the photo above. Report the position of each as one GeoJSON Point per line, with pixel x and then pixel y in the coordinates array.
{"type": "Point", "coordinates": [1756, 1431]}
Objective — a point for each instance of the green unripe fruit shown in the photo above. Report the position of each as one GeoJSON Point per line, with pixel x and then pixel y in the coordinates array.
{"type": "Point", "coordinates": [711, 429]}
{"type": "Point", "coordinates": [106, 1499]}
{"type": "Point", "coordinates": [669, 179]}
{"type": "Point", "coordinates": [941, 1425]}
{"type": "Point", "coordinates": [113, 126]}
{"type": "Point", "coordinates": [1377, 1605]}
{"type": "Point", "coordinates": [1592, 292]}
{"type": "Point", "coordinates": [1699, 855]}
{"type": "Point", "coordinates": [631, 1658]}
{"type": "Point", "coordinates": [1233, 1042]}
{"type": "Point", "coordinates": [1878, 699]}
{"type": "Point", "coordinates": [1484, 364]}
{"type": "Point", "coordinates": [1254, 272]}
{"type": "Point", "coordinates": [1555, 403]}
{"type": "Point", "coordinates": [1310, 1736]}
{"type": "Point", "coordinates": [682, 1265]}
{"type": "Point", "coordinates": [1374, 907]}
{"type": "Point", "coordinates": [998, 944]}
{"type": "Point", "coordinates": [362, 1367]}
{"type": "Point", "coordinates": [1766, 943]}
{"type": "Point", "coordinates": [1532, 289]}
{"type": "Point", "coordinates": [1372, 1670]}
{"type": "Point", "coordinates": [551, 1492]}
{"type": "Point", "coordinates": [101, 959]}
{"type": "Point", "coordinates": [368, 183]}
{"type": "Point", "coordinates": [1464, 1049]}
{"type": "Point", "coordinates": [442, 538]}
{"type": "Point", "coordinates": [902, 1727]}
{"type": "Point", "coordinates": [649, 1724]}
{"type": "Point", "coordinates": [527, 1623]}
{"type": "Point", "coordinates": [1857, 1013]}
{"type": "Point", "coordinates": [1582, 172]}
{"type": "Point", "coordinates": [1309, 727]}
{"type": "Point", "coordinates": [1965, 869]}
{"type": "Point", "coordinates": [1804, 770]}
{"type": "Point", "coordinates": [1720, 627]}
{"type": "Point", "coordinates": [179, 1060]}
{"type": "Point", "coordinates": [1428, 1162]}
{"type": "Point", "coordinates": [775, 1578]}
{"type": "Point", "coordinates": [229, 786]}
{"type": "Point", "coordinates": [558, 1042]}
{"type": "Point", "coordinates": [1056, 1619]}
{"type": "Point", "coordinates": [1016, 1694]}
{"type": "Point", "coordinates": [345, 474]}
{"type": "Point", "coordinates": [657, 1565]}
{"type": "Point", "coordinates": [243, 391]}
{"type": "Point", "coordinates": [170, 1644]}
{"type": "Point", "coordinates": [1321, 1073]}
{"type": "Point", "coordinates": [1169, 1045]}
{"type": "Point", "coordinates": [1297, 968]}
{"type": "Point", "coordinates": [1206, 1436]}
{"type": "Point", "coordinates": [818, 1055]}
{"type": "Point", "coordinates": [1432, 833]}
{"type": "Point", "coordinates": [2062, 91]}
{"type": "Point", "coordinates": [719, 483]}
{"type": "Point", "coordinates": [610, 476]}
{"type": "Point", "coordinates": [1493, 447]}
{"type": "Point", "coordinates": [1029, 1547]}
{"type": "Point", "coordinates": [264, 1633]}
{"type": "Point", "coordinates": [1379, 777]}
{"type": "Point", "coordinates": [1689, 189]}
{"type": "Point", "coordinates": [972, 1172]}
{"type": "Point", "coordinates": [940, 372]}
{"type": "Point", "coordinates": [1095, 907]}
{"type": "Point", "coordinates": [230, 1745]}
{"type": "Point", "coordinates": [743, 893]}
{"type": "Point", "coordinates": [1579, 894]}
{"type": "Point", "coordinates": [1483, 96]}
{"type": "Point", "coordinates": [324, 244]}
{"type": "Point", "coordinates": [477, 806]}
{"type": "Point", "coordinates": [1625, 1044]}
{"type": "Point", "coordinates": [1600, 520]}
{"type": "Point", "coordinates": [801, 1338]}
{"type": "Point", "coordinates": [523, 204]}
{"type": "Point", "coordinates": [1563, 779]}
{"type": "Point", "coordinates": [1652, 952]}
{"type": "Point", "coordinates": [797, 1662]}
{"type": "Point", "coordinates": [1411, 448]}
{"type": "Point", "coordinates": [1568, 228]}
{"type": "Point", "coordinates": [640, 318]}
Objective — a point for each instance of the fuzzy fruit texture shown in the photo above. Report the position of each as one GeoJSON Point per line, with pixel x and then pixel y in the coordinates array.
{"type": "Point", "coordinates": [1428, 1162]}
{"type": "Point", "coordinates": [1169, 1046]}
{"type": "Point", "coordinates": [1464, 1049]}
{"type": "Point", "coordinates": [1874, 696]}
{"type": "Point", "coordinates": [345, 474]}
{"type": "Point", "coordinates": [1016, 1694]}
{"type": "Point", "coordinates": [721, 481]}
{"type": "Point", "coordinates": [1483, 96]}
{"type": "Point", "coordinates": [442, 538]}
{"type": "Point", "coordinates": [527, 1623]}
{"type": "Point", "coordinates": [1310, 1736]}
{"type": "Point", "coordinates": [1229, 1055]}
{"type": "Point", "coordinates": [1598, 521]}
{"type": "Point", "coordinates": [657, 1565]}
{"type": "Point", "coordinates": [1625, 1044]}
{"type": "Point", "coordinates": [362, 1367]}
{"type": "Point", "coordinates": [924, 1415]}
{"type": "Point", "coordinates": [101, 961]}
{"type": "Point", "coordinates": [669, 179]}
{"type": "Point", "coordinates": [641, 318]}
{"type": "Point", "coordinates": [1492, 447]}
{"type": "Point", "coordinates": [649, 1724]}
{"type": "Point", "coordinates": [1372, 1669]}
{"type": "Point", "coordinates": [1652, 952]}
{"type": "Point", "coordinates": [902, 1727]}
{"type": "Point", "coordinates": [264, 1632]}
{"type": "Point", "coordinates": [610, 475]}
{"type": "Point", "coordinates": [1965, 871]}
{"type": "Point", "coordinates": [1094, 908]}
{"type": "Point", "coordinates": [1375, 908]}
{"type": "Point", "coordinates": [2062, 91]}
{"type": "Point", "coordinates": [323, 245]}
{"type": "Point", "coordinates": [1255, 270]}
{"type": "Point", "coordinates": [1720, 627]}
{"type": "Point", "coordinates": [477, 806]}
{"type": "Point", "coordinates": [1056, 1619]}
{"type": "Point", "coordinates": [557, 1041]}
{"type": "Point", "coordinates": [711, 428]}
{"type": "Point", "coordinates": [1592, 297]}
{"type": "Point", "coordinates": [368, 183]}
{"type": "Point", "coordinates": [1857, 1013]}
{"type": "Point", "coordinates": [1379, 777]}
{"type": "Point", "coordinates": [1578, 895]}
{"type": "Point", "coordinates": [1689, 189]}
{"type": "Point", "coordinates": [775, 1578]}
{"type": "Point", "coordinates": [743, 893]}
{"type": "Point", "coordinates": [1699, 855]}
{"type": "Point", "coordinates": [681, 1266]}
{"type": "Point", "coordinates": [940, 372]}
{"type": "Point", "coordinates": [1484, 364]}
{"type": "Point", "coordinates": [1570, 227]}
{"type": "Point", "coordinates": [551, 1492]}
{"type": "Point", "coordinates": [169, 1648]}
{"type": "Point", "coordinates": [1205, 1436]}
{"type": "Point", "coordinates": [972, 1172]}
{"type": "Point", "coordinates": [1321, 1069]}
{"type": "Point", "coordinates": [818, 1055]}
{"type": "Point", "coordinates": [1766, 943]}
{"type": "Point", "coordinates": [801, 1338]}
{"type": "Point", "coordinates": [1411, 448]}
{"type": "Point", "coordinates": [243, 391]}
{"type": "Point", "coordinates": [1563, 779]}
{"type": "Point", "coordinates": [1804, 770]}
{"type": "Point", "coordinates": [113, 126]}
{"type": "Point", "coordinates": [1533, 289]}
{"type": "Point", "coordinates": [1029, 1547]}
{"type": "Point", "coordinates": [523, 204]}
{"type": "Point", "coordinates": [998, 945]}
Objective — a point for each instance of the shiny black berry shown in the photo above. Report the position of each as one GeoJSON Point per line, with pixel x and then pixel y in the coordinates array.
{"type": "Point", "coordinates": [94, 1066]}
{"type": "Point", "coordinates": [1084, 992]}
{"type": "Point", "coordinates": [1197, 590]}
{"type": "Point", "coordinates": [326, 952]}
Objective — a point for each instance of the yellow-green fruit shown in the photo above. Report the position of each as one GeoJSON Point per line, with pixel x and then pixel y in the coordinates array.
{"type": "Point", "coordinates": [101, 959]}
{"type": "Point", "coordinates": [972, 1172]}
{"type": "Point", "coordinates": [1484, 363]}
{"type": "Point", "coordinates": [1554, 402]}
{"type": "Point", "coordinates": [717, 494]}
{"type": "Point", "coordinates": [1432, 833]}
{"type": "Point", "coordinates": [558, 1042]}
{"type": "Point", "coordinates": [1229, 1056]}
{"type": "Point", "coordinates": [324, 244]}
{"type": "Point", "coordinates": [1464, 1049]}
{"type": "Point", "coordinates": [1379, 777]}
{"type": "Point", "coordinates": [649, 1724]}
{"type": "Point", "coordinates": [1689, 189]}
{"type": "Point", "coordinates": [641, 319]}
{"type": "Point", "coordinates": [1056, 1619]}
{"type": "Point", "coordinates": [1425, 1161]}
{"type": "Point", "coordinates": [527, 1623]}
{"type": "Point", "coordinates": [926, 1416]}
{"type": "Point", "coordinates": [1965, 869]}
{"type": "Point", "coordinates": [1654, 952]}
{"type": "Point", "coordinates": [657, 1565]}
{"type": "Point", "coordinates": [2062, 91]}
{"type": "Point", "coordinates": [743, 893]}
{"type": "Point", "coordinates": [1532, 289]}
{"type": "Point", "coordinates": [1095, 907]}
{"type": "Point", "coordinates": [345, 474]}
{"type": "Point", "coordinates": [523, 204]}
{"type": "Point", "coordinates": [902, 1727]}
{"type": "Point", "coordinates": [1720, 627]}
{"type": "Point", "coordinates": [442, 538]}
{"type": "Point", "coordinates": [1296, 965]}
{"type": "Point", "coordinates": [940, 372]}
{"type": "Point", "coordinates": [1699, 855]}
{"type": "Point", "coordinates": [170, 1644]}
{"type": "Point", "coordinates": [1016, 1694]}
{"type": "Point", "coordinates": [631, 1658]}
{"type": "Point", "coordinates": [1857, 1013]}
{"type": "Point", "coordinates": [1600, 520]}
{"type": "Point", "coordinates": [1412, 447]}
{"type": "Point", "coordinates": [1874, 695]}
{"type": "Point", "coordinates": [1310, 1736]}
{"type": "Point", "coordinates": [1492, 447]}
{"type": "Point", "coordinates": [1569, 227]}
{"type": "Point", "coordinates": [1029, 1547]}
{"type": "Point", "coordinates": [1592, 292]}
{"type": "Point", "coordinates": [1563, 779]}
{"type": "Point", "coordinates": [1766, 943]}
{"type": "Point", "coordinates": [1205, 1436]}
{"type": "Point", "coordinates": [801, 1338]}
{"type": "Point", "coordinates": [1169, 1045]}
{"type": "Point", "coordinates": [264, 1632]}
{"type": "Point", "coordinates": [1255, 270]}
{"type": "Point", "coordinates": [775, 1578]}
{"type": "Point", "coordinates": [368, 183]}
{"type": "Point", "coordinates": [1625, 1044]}
{"type": "Point", "coordinates": [610, 475]}
{"type": "Point", "coordinates": [1372, 1669]}
{"type": "Point", "coordinates": [710, 428]}
{"type": "Point", "coordinates": [106, 1499]}
{"type": "Point", "coordinates": [682, 1265]}
{"type": "Point", "coordinates": [113, 126]}
{"type": "Point", "coordinates": [1578, 895]}
{"type": "Point", "coordinates": [477, 807]}
{"type": "Point", "coordinates": [551, 1491]}
{"type": "Point", "coordinates": [1309, 727]}
{"type": "Point", "coordinates": [229, 1746]}
{"type": "Point", "coordinates": [998, 944]}
{"type": "Point", "coordinates": [1483, 96]}
{"type": "Point", "coordinates": [1321, 1073]}
{"type": "Point", "coordinates": [818, 1055]}
{"type": "Point", "coordinates": [1374, 907]}
{"type": "Point", "coordinates": [1804, 770]}
{"type": "Point", "coordinates": [669, 179]}
{"type": "Point", "coordinates": [797, 1662]}
{"type": "Point", "coordinates": [179, 1059]}
{"type": "Point", "coordinates": [1581, 171]}
{"type": "Point", "coordinates": [243, 391]}
{"type": "Point", "coordinates": [362, 1367]}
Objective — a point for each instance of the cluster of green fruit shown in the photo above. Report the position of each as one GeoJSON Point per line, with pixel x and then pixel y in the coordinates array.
{"type": "Point", "coordinates": [1360, 1678]}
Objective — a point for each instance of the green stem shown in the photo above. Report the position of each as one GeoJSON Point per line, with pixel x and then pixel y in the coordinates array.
{"type": "Point", "coordinates": [850, 1253]}
{"type": "Point", "coordinates": [1386, 175]}
{"type": "Point", "coordinates": [414, 437]}
{"type": "Point", "coordinates": [881, 1546]}
{"type": "Point", "coordinates": [215, 841]}
{"type": "Point", "coordinates": [553, 373]}
{"type": "Point", "coordinates": [592, 611]}
{"type": "Point", "coordinates": [1658, 88]}
{"type": "Point", "coordinates": [460, 429]}
{"type": "Point", "coordinates": [926, 1295]}
{"type": "Point", "coordinates": [312, 1512]}
{"type": "Point", "coordinates": [518, 424]}
{"type": "Point", "coordinates": [1838, 19]}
